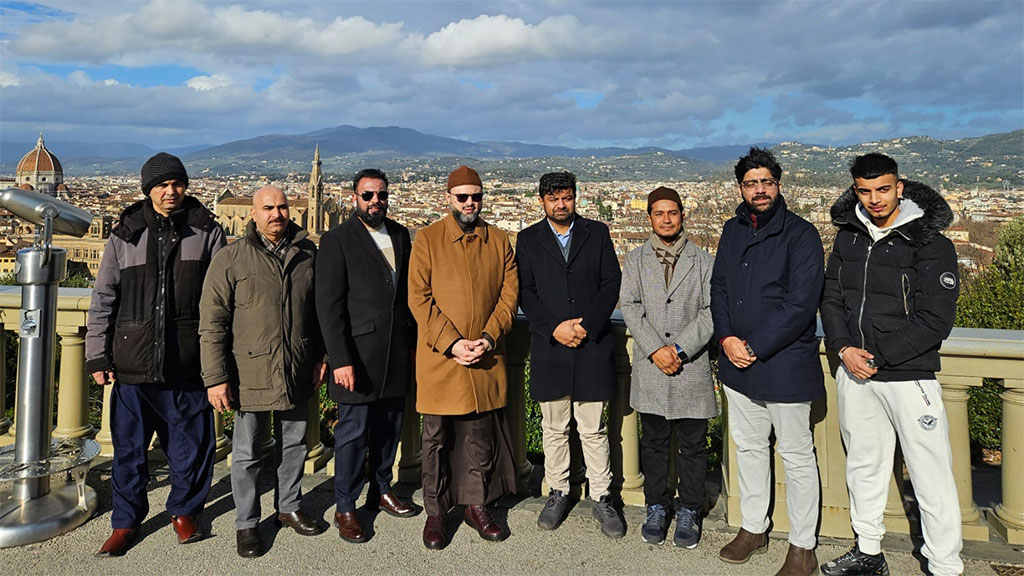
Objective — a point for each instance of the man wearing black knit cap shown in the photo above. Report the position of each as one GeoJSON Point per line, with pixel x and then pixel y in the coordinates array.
{"type": "Point", "coordinates": [142, 338]}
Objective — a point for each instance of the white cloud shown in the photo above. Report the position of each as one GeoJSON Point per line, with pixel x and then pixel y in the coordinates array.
{"type": "Point", "coordinates": [8, 79]}
{"type": "Point", "coordinates": [201, 83]}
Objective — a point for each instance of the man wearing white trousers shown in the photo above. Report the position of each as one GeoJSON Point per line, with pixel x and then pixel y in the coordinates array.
{"type": "Point", "coordinates": [765, 290]}
{"type": "Point", "coordinates": [890, 298]}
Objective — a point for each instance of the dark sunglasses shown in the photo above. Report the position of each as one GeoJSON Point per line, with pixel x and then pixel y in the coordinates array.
{"type": "Point", "coordinates": [461, 198]}
{"type": "Point", "coordinates": [368, 195]}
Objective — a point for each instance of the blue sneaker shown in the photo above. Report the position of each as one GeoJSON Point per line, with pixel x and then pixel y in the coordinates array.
{"type": "Point", "coordinates": [655, 527]}
{"type": "Point", "coordinates": [688, 528]}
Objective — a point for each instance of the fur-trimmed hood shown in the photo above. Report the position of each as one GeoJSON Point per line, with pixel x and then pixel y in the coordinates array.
{"type": "Point", "coordinates": [937, 213]}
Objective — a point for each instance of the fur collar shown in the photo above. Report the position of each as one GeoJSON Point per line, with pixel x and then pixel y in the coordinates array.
{"type": "Point", "coordinates": [937, 213]}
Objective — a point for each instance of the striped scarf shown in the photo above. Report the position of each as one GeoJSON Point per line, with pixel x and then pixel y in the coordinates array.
{"type": "Point", "coordinates": [668, 255]}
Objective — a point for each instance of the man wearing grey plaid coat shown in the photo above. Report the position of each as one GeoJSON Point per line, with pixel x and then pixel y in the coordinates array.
{"type": "Point", "coordinates": [665, 300]}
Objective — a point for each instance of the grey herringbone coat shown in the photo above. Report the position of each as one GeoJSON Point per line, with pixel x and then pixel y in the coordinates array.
{"type": "Point", "coordinates": [658, 317]}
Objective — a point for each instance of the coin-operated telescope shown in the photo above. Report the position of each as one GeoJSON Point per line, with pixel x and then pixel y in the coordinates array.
{"type": "Point", "coordinates": [29, 510]}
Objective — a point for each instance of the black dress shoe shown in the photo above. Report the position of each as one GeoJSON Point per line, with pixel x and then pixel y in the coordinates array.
{"type": "Point", "coordinates": [434, 532]}
{"type": "Point", "coordinates": [397, 507]}
{"type": "Point", "coordinates": [119, 542]}
{"type": "Point", "coordinates": [248, 543]}
{"type": "Point", "coordinates": [300, 522]}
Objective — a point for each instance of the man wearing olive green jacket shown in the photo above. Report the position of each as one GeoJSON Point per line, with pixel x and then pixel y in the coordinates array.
{"type": "Point", "coordinates": [262, 353]}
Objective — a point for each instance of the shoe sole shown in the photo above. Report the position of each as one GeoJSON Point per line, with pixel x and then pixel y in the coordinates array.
{"type": "Point", "coordinates": [646, 541]}
{"type": "Point", "coordinates": [686, 546]}
{"type": "Point", "coordinates": [758, 550]}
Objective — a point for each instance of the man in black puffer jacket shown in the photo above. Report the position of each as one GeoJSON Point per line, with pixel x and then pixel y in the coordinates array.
{"type": "Point", "coordinates": [142, 338]}
{"type": "Point", "coordinates": [890, 298]}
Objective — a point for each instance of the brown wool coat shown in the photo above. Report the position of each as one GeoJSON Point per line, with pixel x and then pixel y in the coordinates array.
{"type": "Point", "coordinates": [460, 286]}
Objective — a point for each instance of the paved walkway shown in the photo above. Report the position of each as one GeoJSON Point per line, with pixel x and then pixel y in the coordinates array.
{"type": "Point", "coordinates": [577, 547]}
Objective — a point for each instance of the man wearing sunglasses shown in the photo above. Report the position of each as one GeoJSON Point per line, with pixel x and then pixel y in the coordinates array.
{"type": "Point", "coordinates": [765, 289]}
{"type": "Point", "coordinates": [463, 290]}
{"type": "Point", "coordinates": [361, 278]}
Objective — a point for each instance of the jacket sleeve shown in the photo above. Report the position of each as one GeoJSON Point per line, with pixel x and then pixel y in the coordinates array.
{"type": "Point", "coordinates": [833, 305]}
{"type": "Point", "coordinates": [696, 334]}
{"type": "Point", "coordinates": [720, 291]}
{"type": "Point", "coordinates": [935, 295]}
{"type": "Point", "coordinates": [542, 320]}
{"type": "Point", "coordinates": [439, 332]}
{"type": "Point", "coordinates": [634, 312]}
{"type": "Point", "coordinates": [598, 315]}
{"type": "Point", "coordinates": [217, 239]}
{"type": "Point", "coordinates": [106, 297]}
{"type": "Point", "coordinates": [330, 276]}
{"type": "Point", "coordinates": [216, 316]}
{"type": "Point", "coordinates": [499, 324]}
{"type": "Point", "coordinates": [789, 319]}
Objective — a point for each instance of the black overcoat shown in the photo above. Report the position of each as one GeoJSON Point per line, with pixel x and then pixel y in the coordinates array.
{"type": "Point", "coordinates": [364, 314]}
{"type": "Point", "coordinates": [553, 289]}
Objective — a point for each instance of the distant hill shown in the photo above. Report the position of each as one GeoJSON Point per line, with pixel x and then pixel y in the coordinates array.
{"type": "Point", "coordinates": [986, 161]}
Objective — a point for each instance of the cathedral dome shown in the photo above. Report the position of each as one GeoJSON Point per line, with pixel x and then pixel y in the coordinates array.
{"type": "Point", "coordinates": [40, 170]}
{"type": "Point", "coordinates": [40, 159]}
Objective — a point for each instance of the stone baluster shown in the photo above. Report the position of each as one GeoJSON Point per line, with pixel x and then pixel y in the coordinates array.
{"type": "Point", "coordinates": [1009, 514]}
{"type": "Point", "coordinates": [73, 388]}
{"type": "Point", "coordinates": [624, 425]}
{"type": "Point", "coordinates": [103, 436]}
{"type": "Point", "coordinates": [317, 454]}
{"type": "Point", "coordinates": [223, 443]}
{"type": "Point", "coordinates": [410, 446]}
{"type": "Point", "coordinates": [517, 345]}
{"type": "Point", "coordinates": [954, 397]}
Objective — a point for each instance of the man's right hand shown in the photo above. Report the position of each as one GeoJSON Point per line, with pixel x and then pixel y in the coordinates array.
{"type": "Point", "coordinates": [855, 360]}
{"type": "Point", "coordinates": [667, 360]}
{"type": "Point", "coordinates": [345, 377]}
{"type": "Point", "coordinates": [736, 350]}
{"type": "Point", "coordinates": [567, 333]}
{"type": "Point", "coordinates": [220, 397]}
{"type": "Point", "coordinates": [104, 377]}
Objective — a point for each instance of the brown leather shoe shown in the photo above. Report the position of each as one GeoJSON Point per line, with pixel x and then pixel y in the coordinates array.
{"type": "Point", "coordinates": [479, 517]}
{"type": "Point", "coordinates": [396, 507]}
{"type": "Point", "coordinates": [247, 543]}
{"type": "Point", "coordinates": [743, 546]}
{"type": "Point", "coordinates": [119, 542]}
{"type": "Point", "coordinates": [349, 528]}
{"type": "Point", "coordinates": [434, 532]}
{"type": "Point", "coordinates": [799, 562]}
{"type": "Point", "coordinates": [300, 522]}
{"type": "Point", "coordinates": [187, 528]}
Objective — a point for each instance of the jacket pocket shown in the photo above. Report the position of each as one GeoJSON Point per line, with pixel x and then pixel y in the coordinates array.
{"type": "Point", "coordinates": [363, 328]}
{"type": "Point", "coordinates": [132, 347]}
{"type": "Point", "coordinates": [255, 371]}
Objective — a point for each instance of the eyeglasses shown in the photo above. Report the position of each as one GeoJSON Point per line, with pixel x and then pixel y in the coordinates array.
{"type": "Point", "coordinates": [461, 198]}
{"type": "Point", "coordinates": [768, 183]}
{"type": "Point", "coordinates": [368, 195]}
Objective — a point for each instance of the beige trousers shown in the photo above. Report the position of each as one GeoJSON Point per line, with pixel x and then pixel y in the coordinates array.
{"type": "Point", "coordinates": [594, 439]}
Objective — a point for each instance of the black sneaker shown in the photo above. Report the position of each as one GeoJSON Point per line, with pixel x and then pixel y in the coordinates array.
{"type": "Point", "coordinates": [687, 528]}
{"type": "Point", "coordinates": [554, 511]}
{"type": "Point", "coordinates": [655, 527]}
{"type": "Point", "coordinates": [612, 525]}
{"type": "Point", "coordinates": [857, 563]}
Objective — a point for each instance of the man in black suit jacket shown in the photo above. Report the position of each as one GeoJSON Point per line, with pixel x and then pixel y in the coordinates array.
{"type": "Point", "coordinates": [362, 272]}
{"type": "Point", "coordinates": [569, 283]}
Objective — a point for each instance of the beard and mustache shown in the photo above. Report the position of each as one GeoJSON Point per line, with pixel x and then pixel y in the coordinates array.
{"type": "Point", "coordinates": [372, 219]}
{"type": "Point", "coordinates": [465, 219]}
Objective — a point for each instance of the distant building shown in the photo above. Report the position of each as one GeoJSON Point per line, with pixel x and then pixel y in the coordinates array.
{"type": "Point", "coordinates": [41, 171]}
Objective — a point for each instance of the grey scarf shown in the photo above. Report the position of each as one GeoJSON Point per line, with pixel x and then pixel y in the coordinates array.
{"type": "Point", "coordinates": [669, 254]}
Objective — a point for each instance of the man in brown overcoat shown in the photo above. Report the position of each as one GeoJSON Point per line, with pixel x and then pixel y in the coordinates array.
{"type": "Point", "coordinates": [462, 291]}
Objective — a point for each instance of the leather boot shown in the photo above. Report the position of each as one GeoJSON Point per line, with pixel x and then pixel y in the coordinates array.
{"type": "Point", "coordinates": [434, 532]}
{"type": "Point", "coordinates": [479, 517]}
{"type": "Point", "coordinates": [799, 562]}
{"type": "Point", "coordinates": [743, 546]}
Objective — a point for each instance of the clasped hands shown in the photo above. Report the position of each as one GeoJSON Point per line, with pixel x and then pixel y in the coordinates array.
{"type": "Point", "coordinates": [570, 333]}
{"type": "Point", "coordinates": [467, 352]}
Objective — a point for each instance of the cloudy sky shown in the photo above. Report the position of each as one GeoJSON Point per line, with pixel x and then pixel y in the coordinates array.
{"type": "Point", "coordinates": [170, 73]}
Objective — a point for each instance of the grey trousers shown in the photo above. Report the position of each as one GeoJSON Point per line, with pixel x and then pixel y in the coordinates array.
{"type": "Point", "coordinates": [289, 457]}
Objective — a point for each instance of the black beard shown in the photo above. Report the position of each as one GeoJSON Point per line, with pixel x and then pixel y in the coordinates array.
{"type": "Point", "coordinates": [465, 219]}
{"type": "Point", "coordinates": [754, 210]}
{"type": "Point", "coordinates": [372, 220]}
{"type": "Point", "coordinates": [560, 218]}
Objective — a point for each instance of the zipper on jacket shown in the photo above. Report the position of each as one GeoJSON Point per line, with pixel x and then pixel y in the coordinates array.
{"type": "Point", "coordinates": [905, 284]}
{"type": "Point", "coordinates": [863, 295]}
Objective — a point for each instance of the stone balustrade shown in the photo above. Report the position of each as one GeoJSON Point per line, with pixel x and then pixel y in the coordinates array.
{"type": "Point", "coordinates": [969, 355]}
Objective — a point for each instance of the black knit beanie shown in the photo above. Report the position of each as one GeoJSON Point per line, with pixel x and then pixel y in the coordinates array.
{"type": "Point", "coordinates": [161, 168]}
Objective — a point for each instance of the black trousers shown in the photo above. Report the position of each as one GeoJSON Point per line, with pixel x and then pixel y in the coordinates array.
{"type": "Point", "coordinates": [691, 459]}
{"type": "Point", "coordinates": [375, 427]}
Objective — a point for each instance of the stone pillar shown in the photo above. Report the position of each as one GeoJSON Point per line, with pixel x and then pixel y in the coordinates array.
{"type": "Point", "coordinates": [317, 454]}
{"type": "Point", "coordinates": [517, 345]}
{"type": "Point", "coordinates": [410, 447]}
{"type": "Point", "coordinates": [1009, 514]}
{"type": "Point", "coordinates": [73, 387]}
{"type": "Point", "coordinates": [5, 422]}
{"type": "Point", "coordinates": [624, 424]}
{"type": "Point", "coordinates": [223, 444]}
{"type": "Point", "coordinates": [103, 436]}
{"type": "Point", "coordinates": [954, 397]}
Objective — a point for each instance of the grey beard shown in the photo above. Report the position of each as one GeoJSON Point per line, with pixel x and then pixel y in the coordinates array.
{"type": "Point", "coordinates": [465, 219]}
{"type": "Point", "coordinates": [372, 220]}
